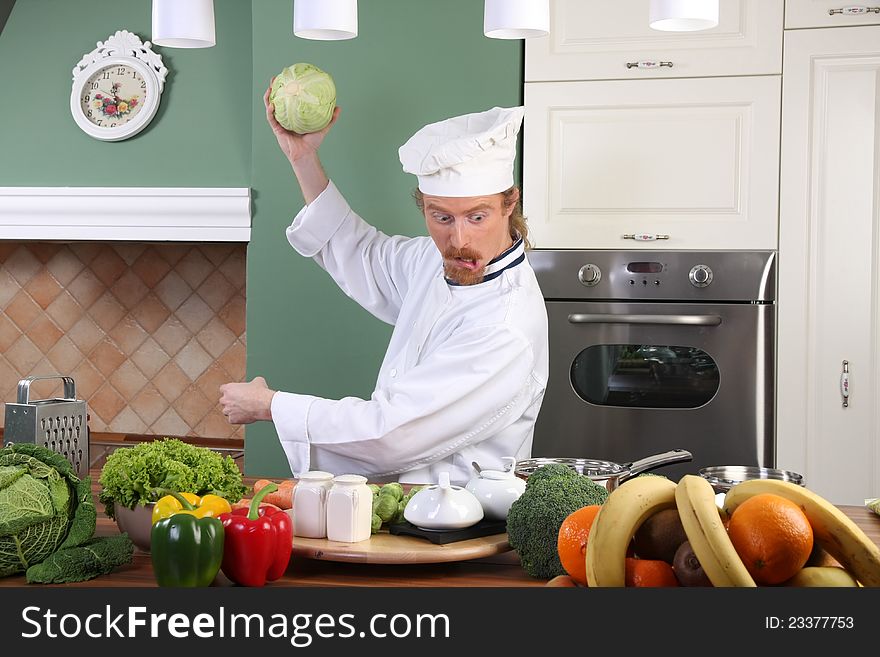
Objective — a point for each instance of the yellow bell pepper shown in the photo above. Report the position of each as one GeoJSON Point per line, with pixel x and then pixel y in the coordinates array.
{"type": "Point", "coordinates": [204, 506]}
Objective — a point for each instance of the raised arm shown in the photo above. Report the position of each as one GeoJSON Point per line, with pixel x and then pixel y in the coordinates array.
{"type": "Point", "coordinates": [302, 152]}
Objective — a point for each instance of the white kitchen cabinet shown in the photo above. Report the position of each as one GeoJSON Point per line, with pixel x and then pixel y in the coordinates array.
{"type": "Point", "coordinates": [602, 40]}
{"type": "Point", "coordinates": [830, 13]}
{"type": "Point", "coordinates": [694, 159]}
{"type": "Point", "coordinates": [829, 262]}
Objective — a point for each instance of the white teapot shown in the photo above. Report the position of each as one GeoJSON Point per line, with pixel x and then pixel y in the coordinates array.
{"type": "Point", "coordinates": [443, 506]}
{"type": "Point", "coordinates": [497, 489]}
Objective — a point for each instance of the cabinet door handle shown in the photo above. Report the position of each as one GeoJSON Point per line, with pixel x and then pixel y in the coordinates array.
{"type": "Point", "coordinates": [854, 10]}
{"type": "Point", "coordinates": [648, 63]}
{"type": "Point", "coordinates": [644, 237]}
{"type": "Point", "coordinates": [844, 383]}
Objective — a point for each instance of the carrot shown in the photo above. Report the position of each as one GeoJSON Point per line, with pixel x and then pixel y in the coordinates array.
{"type": "Point", "coordinates": [282, 498]}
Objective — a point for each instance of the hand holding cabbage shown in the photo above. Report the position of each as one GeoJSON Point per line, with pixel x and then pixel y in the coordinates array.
{"type": "Point", "coordinates": [304, 98]}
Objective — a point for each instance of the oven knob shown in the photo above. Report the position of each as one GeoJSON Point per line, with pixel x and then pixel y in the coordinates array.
{"type": "Point", "coordinates": [701, 275]}
{"type": "Point", "coordinates": [590, 275]}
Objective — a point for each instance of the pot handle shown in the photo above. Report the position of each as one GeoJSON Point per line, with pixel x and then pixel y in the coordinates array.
{"type": "Point", "coordinates": [655, 461]}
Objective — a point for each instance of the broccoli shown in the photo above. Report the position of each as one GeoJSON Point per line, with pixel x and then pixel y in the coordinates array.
{"type": "Point", "coordinates": [552, 471]}
{"type": "Point", "coordinates": [552, 493]}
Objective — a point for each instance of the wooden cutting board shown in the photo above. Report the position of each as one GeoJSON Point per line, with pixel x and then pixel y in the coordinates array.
{"type": "Point", "coordinates": [386, 548]}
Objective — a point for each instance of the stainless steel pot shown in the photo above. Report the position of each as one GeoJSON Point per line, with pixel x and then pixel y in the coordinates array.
{"type": "Point", "coordinates": [725, 477]}
{"type": "Point", "coordinates": [606, 473]}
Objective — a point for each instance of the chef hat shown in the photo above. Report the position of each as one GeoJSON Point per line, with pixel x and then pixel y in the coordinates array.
{"type": "Point", "coordinates": [469, 155]}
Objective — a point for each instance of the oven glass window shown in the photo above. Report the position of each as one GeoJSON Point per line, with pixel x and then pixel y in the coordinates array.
{"type": "Point", "coordinates": [644, 376]}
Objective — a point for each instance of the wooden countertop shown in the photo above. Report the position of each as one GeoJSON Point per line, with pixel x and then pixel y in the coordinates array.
{"type": "Point", "coordinates": [498, 571]}
{"type": "Point", "coordinates": [501, 571]}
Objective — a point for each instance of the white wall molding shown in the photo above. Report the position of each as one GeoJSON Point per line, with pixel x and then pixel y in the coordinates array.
{"type": "Point", "coordinates": [190, 214]}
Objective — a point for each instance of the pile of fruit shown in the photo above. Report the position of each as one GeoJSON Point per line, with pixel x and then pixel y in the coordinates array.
{"type": "Point", "coordinates": [654, 532]}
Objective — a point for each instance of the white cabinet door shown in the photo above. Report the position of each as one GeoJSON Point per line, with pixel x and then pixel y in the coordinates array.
{"type": "Point", "coordinates": [602, 40]}
{"type": "Point", "coordinates": [830, 13]}
{"type": "Point", "coordinates": [694, 159]}
{"type": "Point", "coordinates": [829, 262]}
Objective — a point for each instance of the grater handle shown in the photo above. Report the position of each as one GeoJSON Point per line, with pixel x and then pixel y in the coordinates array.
{"type": "Point", "coordinates": [24, 387]}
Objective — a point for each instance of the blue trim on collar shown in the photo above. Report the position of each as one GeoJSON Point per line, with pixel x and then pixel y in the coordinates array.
{"type": "Point", "coordinates": [512, 257]}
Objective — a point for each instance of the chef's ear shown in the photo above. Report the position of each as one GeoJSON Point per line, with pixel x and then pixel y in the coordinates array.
{"type": "Point", "coordinates": [509, 200]}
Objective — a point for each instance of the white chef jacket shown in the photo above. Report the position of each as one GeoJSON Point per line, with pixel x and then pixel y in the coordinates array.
{"type": "Point", "coordinates": [464, 374]}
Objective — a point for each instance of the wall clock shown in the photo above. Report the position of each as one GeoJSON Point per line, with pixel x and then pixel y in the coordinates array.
{"type": "Point", "coordinates": [117, 87]}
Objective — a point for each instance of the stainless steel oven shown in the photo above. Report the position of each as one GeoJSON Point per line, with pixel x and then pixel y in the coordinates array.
{"type": "Point", "coordinates": [655, 350]}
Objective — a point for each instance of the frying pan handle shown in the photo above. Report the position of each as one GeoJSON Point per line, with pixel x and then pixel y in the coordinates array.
{"type": "Point", "coordinates": [657, 460]}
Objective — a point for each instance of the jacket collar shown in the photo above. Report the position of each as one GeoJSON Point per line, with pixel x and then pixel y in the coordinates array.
{"type": "Point", "coordinates": [512, 257]}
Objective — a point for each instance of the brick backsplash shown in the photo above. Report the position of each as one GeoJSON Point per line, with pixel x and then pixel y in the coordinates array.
{"type": "Point", "coordinates": [147, 331]}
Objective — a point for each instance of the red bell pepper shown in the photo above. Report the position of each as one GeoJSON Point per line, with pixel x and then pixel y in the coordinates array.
{"type": "Point", "coordinates": [258, 542]}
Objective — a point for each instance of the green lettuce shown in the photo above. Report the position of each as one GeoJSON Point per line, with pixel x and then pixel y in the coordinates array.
{"type": "Point", "coordinates": [304, 98]}
{"type": "Point", "coordinates": [135, 475]}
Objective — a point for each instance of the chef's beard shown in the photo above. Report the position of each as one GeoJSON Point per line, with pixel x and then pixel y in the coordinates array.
{"type": "Point", "coordinates": [458, 274]}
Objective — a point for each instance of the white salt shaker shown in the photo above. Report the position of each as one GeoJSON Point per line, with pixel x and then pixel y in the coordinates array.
{"type": "Point", "coordinates": [310, 504]}
{"type": "Point", "coordinates": [349, 509]}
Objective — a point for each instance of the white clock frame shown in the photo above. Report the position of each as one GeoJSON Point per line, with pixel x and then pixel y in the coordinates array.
{"type": "Point", "coordinates": [123, 48]}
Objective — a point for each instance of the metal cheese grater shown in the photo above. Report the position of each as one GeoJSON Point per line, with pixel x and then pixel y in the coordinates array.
{"type": "Point", "coordinates": [57, 424]}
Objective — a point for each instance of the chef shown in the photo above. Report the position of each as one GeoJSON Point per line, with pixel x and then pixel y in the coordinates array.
{"type": "Point", "coordinates": [465, 371]}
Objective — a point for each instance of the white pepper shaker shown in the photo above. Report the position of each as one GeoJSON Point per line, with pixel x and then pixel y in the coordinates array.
{"type": "Point", "coordinates": [310, 504]}
{"type": "Point", "coordinates": [349, 509]}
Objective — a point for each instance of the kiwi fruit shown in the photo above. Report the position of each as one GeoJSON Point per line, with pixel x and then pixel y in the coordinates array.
{"type": "Point", "coordinates": [659, 536]}
{"type": "Point", "coordinates": [687, 568]}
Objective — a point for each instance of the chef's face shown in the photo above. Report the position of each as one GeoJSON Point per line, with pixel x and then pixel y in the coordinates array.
{"type": "Point", "coordinates": [469, 232]}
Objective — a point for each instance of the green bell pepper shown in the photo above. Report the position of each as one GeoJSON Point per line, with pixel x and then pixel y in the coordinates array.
{"type": "Point", "coordinates": [186, 550]}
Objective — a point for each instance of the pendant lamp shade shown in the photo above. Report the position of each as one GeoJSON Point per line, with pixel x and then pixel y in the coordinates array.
{"type": "Point", "coordinates": [683, 15]}
{"type": "Point", "coordinates": [183, 23]}
{"type": "Point", "coordinates": [516, 19]}
{"type": "Point", "coordinates": [325, 20]}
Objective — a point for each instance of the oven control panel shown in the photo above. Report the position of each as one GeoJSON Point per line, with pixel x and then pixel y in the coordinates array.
{"type": "Point", "coordinates": [656, 275]}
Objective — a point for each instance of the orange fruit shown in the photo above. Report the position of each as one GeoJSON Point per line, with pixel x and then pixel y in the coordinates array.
{"type": "Point", "coordinates": [571, 543]}
{"type": "Point", "coordinates": [772, 536]}
{"type": "Point", "coordinates": [649, 572]}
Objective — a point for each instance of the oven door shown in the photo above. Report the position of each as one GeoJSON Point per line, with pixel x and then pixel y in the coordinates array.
{"type": "Point", "coordinates": [632, 379]}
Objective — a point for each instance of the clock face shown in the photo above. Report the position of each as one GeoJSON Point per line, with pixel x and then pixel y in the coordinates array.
{"type": "Point", "coordinates": [113, 95]}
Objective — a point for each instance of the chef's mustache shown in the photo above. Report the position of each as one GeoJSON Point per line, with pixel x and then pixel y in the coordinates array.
{"type": "Point", "coordinates": [466, 254]}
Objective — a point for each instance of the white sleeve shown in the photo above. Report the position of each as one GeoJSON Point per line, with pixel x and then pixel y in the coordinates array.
{"type": "Point", "coordinates": [368, 266]}
{"type": "Point", "coordinates": [476, 385]}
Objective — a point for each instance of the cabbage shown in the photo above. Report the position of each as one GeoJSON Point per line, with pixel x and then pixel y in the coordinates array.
{"type": "Point", "coordinates": [48, 518]}
{"type": "Point", "coordinates": [43, 506]}
{"type": "Point", "coordinates": [304, 97]}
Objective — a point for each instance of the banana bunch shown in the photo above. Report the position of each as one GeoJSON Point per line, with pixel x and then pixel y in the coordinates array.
{"type": "Point", "coordinates": [832, 529]}
{"type": "Point", "coordinates": [628, 506]}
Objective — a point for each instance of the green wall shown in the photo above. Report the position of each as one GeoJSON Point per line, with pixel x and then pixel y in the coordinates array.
{"type": "Point", "coordinates": [414, 62]}
{"type": "Point", "coordinates": [200, 137]}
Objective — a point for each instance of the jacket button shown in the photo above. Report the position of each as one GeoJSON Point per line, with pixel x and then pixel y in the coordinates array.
{"type": "Point", "coordinates": [392, 373]}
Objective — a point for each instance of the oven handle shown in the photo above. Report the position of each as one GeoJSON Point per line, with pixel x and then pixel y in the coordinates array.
{"type": "Point", "coordinates": [614, 318]}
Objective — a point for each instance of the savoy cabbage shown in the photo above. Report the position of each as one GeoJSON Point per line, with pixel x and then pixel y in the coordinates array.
{"type": "Point", "coordinates": [44, 508]}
